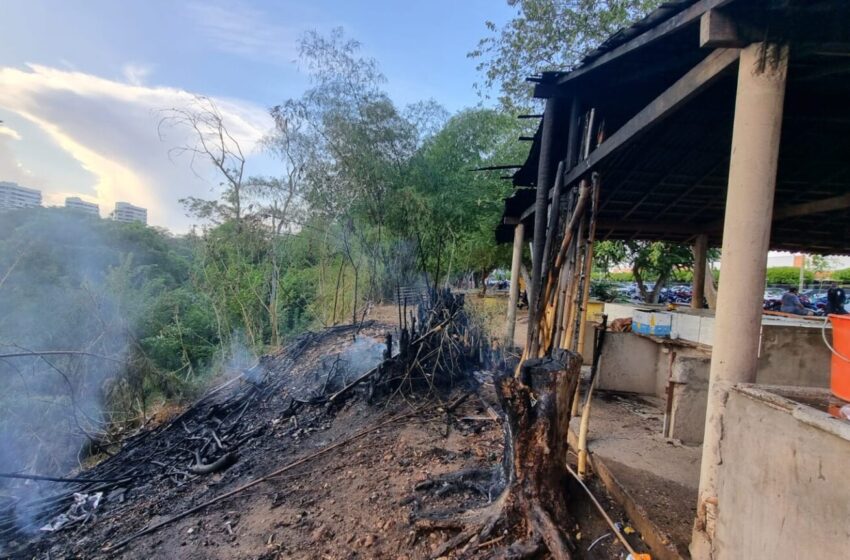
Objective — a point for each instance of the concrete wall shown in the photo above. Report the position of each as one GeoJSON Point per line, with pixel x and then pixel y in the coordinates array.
{"type": "Point", "coordinates": [794, 356]}
{"type": "Point", "coordinates": [629, 363]}
{"type": "Point", "coordinates": [783, 484]}
{"type": "Point", "coordinates": [792, 353]}
{"type": "Point", "coordinates": [690, 398]}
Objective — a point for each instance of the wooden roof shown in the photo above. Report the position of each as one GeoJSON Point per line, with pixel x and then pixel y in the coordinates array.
{"type": "Point", "coordinates": [665, 178]}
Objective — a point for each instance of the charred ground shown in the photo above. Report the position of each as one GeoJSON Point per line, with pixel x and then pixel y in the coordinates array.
{"type": "Point", "coordinates": [355, 476]}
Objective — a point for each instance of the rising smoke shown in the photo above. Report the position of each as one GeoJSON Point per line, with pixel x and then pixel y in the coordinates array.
{"type": "Point", "coordinates": [57, 294]}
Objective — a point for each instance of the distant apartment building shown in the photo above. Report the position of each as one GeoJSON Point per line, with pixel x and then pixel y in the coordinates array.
{"type": "Point", "coordinates": [12, 195]}
{"type": "Point", "coordinates": [78, 204]}
{"type": "Point", "coordinates": [126, 212]}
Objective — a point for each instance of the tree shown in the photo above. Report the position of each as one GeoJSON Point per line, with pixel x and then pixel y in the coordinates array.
{"type": "Point", "coordinates": [453, 209]}
{"type": "Point", "coordinates": [547, 35]}
{"type": "Point", "coordinates": [650, 261]}
{"type": "Point", "coordinates": [209, 139]}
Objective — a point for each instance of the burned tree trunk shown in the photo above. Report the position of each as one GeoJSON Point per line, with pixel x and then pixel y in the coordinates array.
{"type": "Point", "coordinates": [532, 504]}
{"type": "Point", "coordinates": [537, 406]}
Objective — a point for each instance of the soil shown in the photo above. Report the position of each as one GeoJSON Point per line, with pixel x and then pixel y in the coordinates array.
{"type": "Point", "coordinates": [356, 501]}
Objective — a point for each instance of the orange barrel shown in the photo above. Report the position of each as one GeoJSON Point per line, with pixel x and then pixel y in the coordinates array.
{"type": "Point", "coordinates": [839, 382]}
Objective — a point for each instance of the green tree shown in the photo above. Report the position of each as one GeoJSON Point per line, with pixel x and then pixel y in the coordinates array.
{"type": "Point", "coordinates": [547, 35]}
{"type": "Point", "coordinates": [657, 262]}
{"type": "Point", "coordinates": [450, 207]}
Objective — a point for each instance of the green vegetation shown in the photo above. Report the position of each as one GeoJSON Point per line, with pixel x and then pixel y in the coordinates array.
{"type": "Point", "coordinates": [369, 197]}
{"type": "Point", "coordinates": [841, 275]}
{"type": "Point", "coordinates": [788, 275]}
{"type": "Point", "coordinates": [548, 35]}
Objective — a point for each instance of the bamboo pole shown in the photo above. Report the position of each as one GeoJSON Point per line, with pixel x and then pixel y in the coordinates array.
{"type": "Point", "coordinates": [516, 262]}
{"type": "Point", "coordinates": [584, 426]}
{"type": "Point", "coordinates": [552, 224]}
{"type": "Point", "coordinates": [588, 262]}
{"type": "Point", "coordinates": [536, 313]}
{"type": "Point", "coordinates": [575, 292]}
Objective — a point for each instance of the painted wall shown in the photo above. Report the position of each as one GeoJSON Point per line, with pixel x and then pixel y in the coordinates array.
{"type": "Point", "coordinates": [783, 485]}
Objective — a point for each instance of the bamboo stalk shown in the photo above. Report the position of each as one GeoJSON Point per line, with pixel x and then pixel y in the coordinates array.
{"type": "Point", "coordinates": [575, 292]}
{"type": "Point", "coordinates": [588, 262]}
{"type": "Point", "coordinates": [552, 224]}
{"type": "Point", "coordinates": [584, 426]}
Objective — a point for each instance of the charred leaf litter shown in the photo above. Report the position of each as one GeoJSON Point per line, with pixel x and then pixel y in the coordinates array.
{"type": "Point", "coordinates": [246, 428]}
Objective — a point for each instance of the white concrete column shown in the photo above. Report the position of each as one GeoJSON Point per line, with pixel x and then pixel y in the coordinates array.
{"type": "Point", "coordinates": [516, 262]}
{"type": "Point", "coordinates": [746, 235]}
{"type": "Point", "coordinates": [700, 256]}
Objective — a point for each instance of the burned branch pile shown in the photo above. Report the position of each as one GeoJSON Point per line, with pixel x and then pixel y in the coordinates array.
{"type": "Point", "coordinates": [231, 435]}
{"type": "Point", "coordinates": [437, 348]}
{"type": "Point", "coordinates": [225, 430]}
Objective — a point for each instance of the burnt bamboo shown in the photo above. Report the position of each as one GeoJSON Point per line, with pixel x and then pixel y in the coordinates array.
{"type": "Point", "coordinates": [588, 261]}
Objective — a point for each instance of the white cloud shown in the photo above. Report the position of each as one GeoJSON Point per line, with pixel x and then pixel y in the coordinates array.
{"type": "Point", "coordinates": [135, 74]}
{"type": "Point", "coordinates": [236, 28]}
{"type": "Point", "coordinates": [10, 132]}
{"type": "Point", "coordinates": [110, 128]}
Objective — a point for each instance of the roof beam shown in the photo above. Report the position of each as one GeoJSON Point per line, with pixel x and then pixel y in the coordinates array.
{"type": "Point", "coordinates": [674, 23]}
{"type": "Point", "coordinates": [651, 227]}
{"type": "Point", "coordinates": [718, 30]}
{"type": "Point", "coordinates": [831, 204]}
{"type": "Point", "coordinates": [686, 87]}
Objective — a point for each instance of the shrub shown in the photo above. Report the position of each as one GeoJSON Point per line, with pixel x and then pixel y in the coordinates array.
{"type": "Point", "coordinates": [683, 275]}
{"type": "Point", "coordinates": [841, 275]}
{"type": "Point", "coordinates": [621, 277]}
{"type": "Point", "coordinates": [787, 275]}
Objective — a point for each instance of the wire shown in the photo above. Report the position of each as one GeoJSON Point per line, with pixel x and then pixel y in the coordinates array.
{"type": "Point", "coordinates": [828, 345]}
{"type": "Point", "coordinates": [608, 520]}
{"type": "Point", "coordinates": [600, 539]}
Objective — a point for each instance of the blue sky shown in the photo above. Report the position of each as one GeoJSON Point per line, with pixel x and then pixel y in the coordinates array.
{"type": "Point", "coordinates": [82, 83]}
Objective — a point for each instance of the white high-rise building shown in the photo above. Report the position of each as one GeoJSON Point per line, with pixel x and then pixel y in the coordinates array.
{"type": "Point", "coordinates": [12, 195]}
{"type": "Point", "coordinates": [77, 203]}
{"type": "Point", "coordinates": [126, 212]}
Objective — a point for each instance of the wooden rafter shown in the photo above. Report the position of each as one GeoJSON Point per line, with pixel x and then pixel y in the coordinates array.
{"type": "Point", "coordinates": [686, 87]}
{"type": "Point", "coordinates": [674, 23]}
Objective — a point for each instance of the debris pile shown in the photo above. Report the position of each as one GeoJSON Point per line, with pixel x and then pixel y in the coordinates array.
{"type": "Point", "coordinates": [234, 433]}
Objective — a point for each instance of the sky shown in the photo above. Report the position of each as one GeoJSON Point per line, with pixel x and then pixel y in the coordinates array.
{"type": "Point", "coordinates": [83, 85]}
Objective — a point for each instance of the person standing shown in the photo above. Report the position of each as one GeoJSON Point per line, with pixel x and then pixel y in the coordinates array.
{"type": "Point", "coordinates": [835, 300]}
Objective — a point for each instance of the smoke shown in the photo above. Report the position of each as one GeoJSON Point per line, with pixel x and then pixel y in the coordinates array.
{"type": "Point", "coordinates": [57, 284]}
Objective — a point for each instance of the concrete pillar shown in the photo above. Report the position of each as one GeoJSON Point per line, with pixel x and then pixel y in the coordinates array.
{"type": "Point", "coordinates": [746, 235]}
{"type": "Point", "coordinates": [516, 262]}
{"type": "Point", "coordinates": [700, 263]}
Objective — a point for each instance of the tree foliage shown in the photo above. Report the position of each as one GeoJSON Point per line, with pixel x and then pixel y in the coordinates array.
{"type": "Point", "coordinates": [547, 35]}
{"type": "Point", "coordinates": [656, 262]}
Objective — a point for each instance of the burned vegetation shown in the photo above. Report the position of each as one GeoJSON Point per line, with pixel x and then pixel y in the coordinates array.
{"type": "Point", "coordinates": [349, 442]}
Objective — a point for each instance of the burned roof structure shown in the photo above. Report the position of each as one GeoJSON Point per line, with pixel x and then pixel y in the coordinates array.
{"type": "Point", "coordinates": [657, 101]}
{"type": "Point", "coordinates": [710, 122]}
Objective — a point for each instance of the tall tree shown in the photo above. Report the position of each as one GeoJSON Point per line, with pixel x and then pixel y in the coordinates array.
{"type": "Point", "coordinates": [547, 35]}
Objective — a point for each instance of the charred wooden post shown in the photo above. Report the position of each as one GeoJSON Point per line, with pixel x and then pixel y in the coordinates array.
{"type": "Point", "coordinates": [545, 172]}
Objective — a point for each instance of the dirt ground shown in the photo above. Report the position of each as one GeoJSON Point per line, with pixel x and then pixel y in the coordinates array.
{"type": "Point", "coordinates": [356, 501]}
